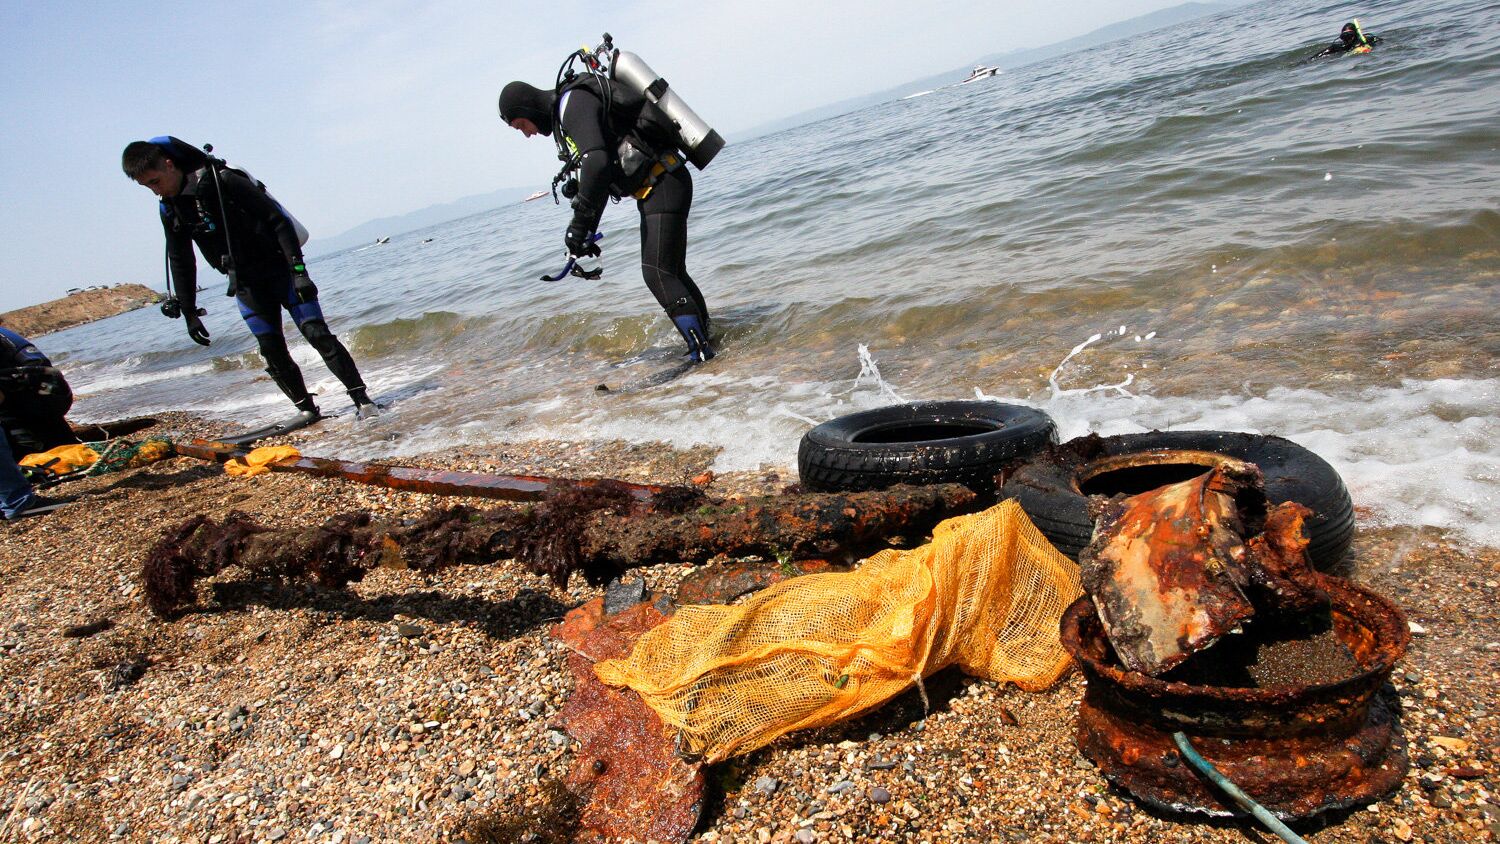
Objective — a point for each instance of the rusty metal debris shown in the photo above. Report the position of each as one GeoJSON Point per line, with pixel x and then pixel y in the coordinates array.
{"type": "Point", "coordinates": [432, 481]}
{"type": "Point", "coordinates": [724, 584]}
{"type": "Point", "coordinates": [631, 784]}
{"type": "Point", "coordinates": [1324, 742]}
{"type": "Point", "coordinates": [1164, 569]}
{"type": "Point", "coordinates": [1171, 570]}
{"type": "Point", "coordinates": [1207, 620]}
{"type": "Point", "coordinates": [599, 530]}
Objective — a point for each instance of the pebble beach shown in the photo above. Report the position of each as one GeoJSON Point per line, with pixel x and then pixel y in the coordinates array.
{"type": "Point", "coordinates": [410, 709]}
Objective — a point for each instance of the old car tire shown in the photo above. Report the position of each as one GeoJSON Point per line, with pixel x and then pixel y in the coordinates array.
{"type": "Point", "coordinates": [965, 442]}
{"type": "Point", "coordinates": [1053, 488]}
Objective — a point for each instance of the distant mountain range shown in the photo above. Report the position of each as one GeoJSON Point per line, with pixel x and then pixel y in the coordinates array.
{"type": "Point", "coordinates": [366, 233]}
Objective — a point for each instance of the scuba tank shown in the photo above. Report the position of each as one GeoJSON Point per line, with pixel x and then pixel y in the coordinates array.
{"type": "Point", "coordinates": [624, 80]}
{"type": "Point", "coordinates": [697, 138]}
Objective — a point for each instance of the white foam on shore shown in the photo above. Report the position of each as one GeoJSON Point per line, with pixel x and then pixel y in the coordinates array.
{"type": "Point", "coordinates": [113, 378]}
{"type": "Point", "coordinates": [1424, 453]}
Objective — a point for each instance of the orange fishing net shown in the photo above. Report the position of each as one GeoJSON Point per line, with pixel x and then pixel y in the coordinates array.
{"type": "Point", "coordinates": [987, 593]}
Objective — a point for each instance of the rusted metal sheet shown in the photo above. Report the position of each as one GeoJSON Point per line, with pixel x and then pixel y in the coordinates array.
{"type": "Point", "coordinates": [632, 784]}
{"type": "Point", "coordinates": [1299, 748]}
{"type": "Point", "coordinates": [430, 481]}
{"type": "Point", "coordinates": [1166, 567]}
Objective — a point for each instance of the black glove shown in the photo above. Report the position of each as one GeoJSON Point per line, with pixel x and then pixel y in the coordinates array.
{"type": "Point", "coordinates": [303, 286]}
{"type": "Point", "coordinates": [578, 242]}
{"type": "Point", "coordinates": [195, 328]}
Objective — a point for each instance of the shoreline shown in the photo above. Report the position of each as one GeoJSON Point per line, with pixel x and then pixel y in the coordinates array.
{"type": "Point", "coordinates": [406, 708]}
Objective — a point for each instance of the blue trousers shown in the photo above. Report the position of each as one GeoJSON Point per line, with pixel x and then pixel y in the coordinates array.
{"type": "Point", "coordinates": [15, 490]}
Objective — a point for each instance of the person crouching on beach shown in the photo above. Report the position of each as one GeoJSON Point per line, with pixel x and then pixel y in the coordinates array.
{"type": "Point", "coordinates": [245, 234]}
{"type": "Point", "coordinates": [37, 398]}
{"type": "Point", "coordinates": [17, 498]}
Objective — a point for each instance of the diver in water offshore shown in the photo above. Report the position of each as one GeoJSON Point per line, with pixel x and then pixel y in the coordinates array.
{"type": "Point", "coordinates": [622, 131]}
{"type": "Point", "coordinates": [244, 233]}
{"type": "Point", "coordinates": [1352, 39]}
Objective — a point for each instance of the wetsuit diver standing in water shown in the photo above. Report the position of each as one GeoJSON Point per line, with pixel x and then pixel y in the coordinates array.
{"type": "Point", "coordinates": [618, 132]}
{"type": "Point", "coordinates": [243, 233]}
{"type": "Point", "coordinates": [1352, 39]}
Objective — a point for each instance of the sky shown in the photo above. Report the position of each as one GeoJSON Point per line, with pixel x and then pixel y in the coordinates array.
{"type": "Point", "coordinates": [361, 109]}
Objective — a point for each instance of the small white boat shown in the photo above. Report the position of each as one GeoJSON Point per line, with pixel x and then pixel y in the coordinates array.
{"type": "Point", "coordinates": [981, 72]}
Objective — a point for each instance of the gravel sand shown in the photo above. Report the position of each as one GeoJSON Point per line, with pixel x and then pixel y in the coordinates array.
{"type": "Point", "coordinates": [409, 709]}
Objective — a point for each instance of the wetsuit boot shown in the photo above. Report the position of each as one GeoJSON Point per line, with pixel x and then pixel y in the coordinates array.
{"type": "Point", "coordinates": [337, 358]}
{"type": "Point", "coordinates": [690, 326]}
{"type": "Point", "coordinates": [363, 407]}
{"type": "Point", "coordinates": [291, 383]}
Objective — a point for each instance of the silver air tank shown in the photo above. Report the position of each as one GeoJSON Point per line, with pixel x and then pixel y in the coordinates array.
{"type": "Point", "coordinates": [699, 141]}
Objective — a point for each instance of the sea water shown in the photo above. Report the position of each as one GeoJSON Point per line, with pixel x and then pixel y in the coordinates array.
{"type": "Point", "coordinates": [1192, 229]}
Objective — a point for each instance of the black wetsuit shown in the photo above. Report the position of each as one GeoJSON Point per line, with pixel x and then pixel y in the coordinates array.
{"type": "Point", "coordinates": [37, 398]}
{"type": "Point", "coordinates": [664, 212]}
{"type": "Point", "coordinates": [264, 249]}
{"type": "Point", "coordinates": [1343, 46]}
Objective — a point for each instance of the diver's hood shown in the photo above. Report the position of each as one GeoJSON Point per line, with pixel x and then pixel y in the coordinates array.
{"type": "Point", "coordinates": [521, 100]}
{"type": "Point", "coordinates": [184, 155]}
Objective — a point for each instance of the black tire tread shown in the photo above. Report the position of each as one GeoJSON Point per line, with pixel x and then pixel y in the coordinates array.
{"type": "Point", "coordinates": [829, 460]}
{"type": "Point", "coordinates": [1045, 488]}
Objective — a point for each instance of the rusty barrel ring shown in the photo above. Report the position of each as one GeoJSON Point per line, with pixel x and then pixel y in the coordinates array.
{"type": "Point", "coordinates": [1299, 749]}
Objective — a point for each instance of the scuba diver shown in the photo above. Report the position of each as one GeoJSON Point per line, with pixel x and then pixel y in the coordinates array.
{"type": "Point", "coordinates": [37, 397]}
{"type": "Point", "coordinates": [1352, 39]}
{"type": "Point", "coordinates": [245, 234]}
{"type": "Point", "coordinates": [622, 131]}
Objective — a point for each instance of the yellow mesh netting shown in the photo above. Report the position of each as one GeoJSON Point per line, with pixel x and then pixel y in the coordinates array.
{"type": "Point", "coordinates": [987, 593]}
{"type": "Point", "coordinates": [255, 463]}
{"type": "Point", "coordinates": [62, 459]}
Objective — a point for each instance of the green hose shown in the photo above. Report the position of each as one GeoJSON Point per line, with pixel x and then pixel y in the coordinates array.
{"type": "Point", "coordinates": [1244, 800]}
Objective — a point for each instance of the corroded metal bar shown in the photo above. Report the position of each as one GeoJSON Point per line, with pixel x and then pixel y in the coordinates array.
{"type": "Point", "coordinates": [430, 481]}
{"type": "Point", "coordinates": [599, 531]}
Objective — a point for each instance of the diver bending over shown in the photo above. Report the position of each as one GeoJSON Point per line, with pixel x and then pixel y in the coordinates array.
{"type": "Point", "coordinates": [243, 233]}
{"type": "Point", "coordinates": [591, 126]}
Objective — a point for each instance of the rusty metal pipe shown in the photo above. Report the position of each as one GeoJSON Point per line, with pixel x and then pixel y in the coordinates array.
{"type": "Point", "coordinates": [430, 481]}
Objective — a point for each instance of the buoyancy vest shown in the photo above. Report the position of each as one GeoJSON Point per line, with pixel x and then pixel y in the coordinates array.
{"type": "Point", "coordinates": [643, 141]}
{"type": "Point", "coordinates": [190, 159]}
